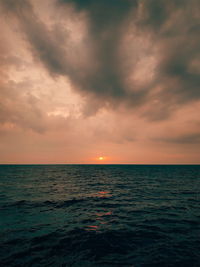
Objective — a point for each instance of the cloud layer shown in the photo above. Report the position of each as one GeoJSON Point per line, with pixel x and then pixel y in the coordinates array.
{"type": "Point", "coordinates": [85, 67]}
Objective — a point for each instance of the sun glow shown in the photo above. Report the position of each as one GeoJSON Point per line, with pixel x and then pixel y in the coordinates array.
{"type": "Point", "coordinates": [101, 159]}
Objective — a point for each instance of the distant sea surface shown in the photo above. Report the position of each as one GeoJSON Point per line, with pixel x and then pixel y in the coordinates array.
{"type": "Point", "coordinates": [99, 215]}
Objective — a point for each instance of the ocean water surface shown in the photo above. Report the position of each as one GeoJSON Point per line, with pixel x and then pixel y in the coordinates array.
{"type": "Point", "coordinates": [99, 215]}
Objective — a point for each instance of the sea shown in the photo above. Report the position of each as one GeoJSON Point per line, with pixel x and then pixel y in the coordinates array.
{"type": "Point", "coordinates": [100, 215]}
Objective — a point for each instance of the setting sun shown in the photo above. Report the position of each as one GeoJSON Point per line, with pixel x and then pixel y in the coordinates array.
{"type": "Point", "coordinates": [101, 159]}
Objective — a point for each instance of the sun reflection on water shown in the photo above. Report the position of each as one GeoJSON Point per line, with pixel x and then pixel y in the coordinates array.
{"type": "Point", "coordinates": [100, 217]}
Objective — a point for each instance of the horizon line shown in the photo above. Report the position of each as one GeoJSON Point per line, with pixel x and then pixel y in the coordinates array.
{"type": "Point", "coordinates": [96, 164]}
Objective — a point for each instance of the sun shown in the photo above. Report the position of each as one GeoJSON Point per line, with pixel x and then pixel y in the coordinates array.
{"type": "Point", "coordinates": [101, 159]}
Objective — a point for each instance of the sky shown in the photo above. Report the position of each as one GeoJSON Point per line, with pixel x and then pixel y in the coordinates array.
{"type": "Point", "coordinates": [100, 81]}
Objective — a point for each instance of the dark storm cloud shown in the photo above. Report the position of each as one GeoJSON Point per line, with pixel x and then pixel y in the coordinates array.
{"type": "Point", "coordinates": [179, 45]}
{"type": "Point", "coordinates": [103, 14]}
{"type": "Point", "coordinates": [191, 138]}
{"type": "Point", "coordinates": [173, 27]}
{"type": "Point", "coordinates": [105, 82]}
{"type": "Point", "coordinates": [42, 41]}
{"type": "Point", "coordinates": [105, 19]}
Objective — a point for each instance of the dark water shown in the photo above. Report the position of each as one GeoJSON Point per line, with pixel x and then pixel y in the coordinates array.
{"type": "Point", "coordinates": [86, 215]}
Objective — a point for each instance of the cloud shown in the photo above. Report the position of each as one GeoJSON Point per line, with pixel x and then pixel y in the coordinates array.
{"type": "Point", "coordinates": [187, 139]}
{"type": "Point", "coordinates": [17, 108]}
{"type": "Point", "coordinates": [123, 53]}
{"type": "Point", "coordinates": [117, 77]}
